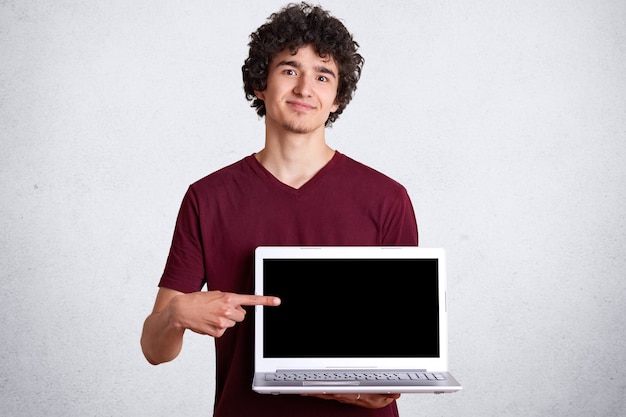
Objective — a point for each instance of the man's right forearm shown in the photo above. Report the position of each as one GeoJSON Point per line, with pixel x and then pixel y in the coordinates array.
{"type": "Point", "coordinates": [160, 340]}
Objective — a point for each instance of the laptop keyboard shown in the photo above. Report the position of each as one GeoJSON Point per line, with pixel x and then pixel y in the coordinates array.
{"type": "Point", "coordinates": [353, 376]}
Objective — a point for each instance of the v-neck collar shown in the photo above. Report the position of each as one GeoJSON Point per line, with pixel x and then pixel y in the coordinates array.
{"type": "Point", "coordinates": [297, 192]}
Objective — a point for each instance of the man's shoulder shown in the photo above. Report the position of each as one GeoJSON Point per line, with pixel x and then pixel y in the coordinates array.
{"type": "Point", "coordinates": [225, 174]}
{"type": "Point", "coordinates": [360, 171]}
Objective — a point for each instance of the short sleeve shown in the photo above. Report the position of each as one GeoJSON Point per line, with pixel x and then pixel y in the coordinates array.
{"type": "Point", "coordinates": [184, 269]}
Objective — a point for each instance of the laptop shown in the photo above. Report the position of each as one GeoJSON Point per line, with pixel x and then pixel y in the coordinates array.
{"type": "Point", "coordinates": [352, 320]}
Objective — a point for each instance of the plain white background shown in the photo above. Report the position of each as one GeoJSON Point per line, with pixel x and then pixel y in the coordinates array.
{"type": "Point", "coordinates": [505, 120]}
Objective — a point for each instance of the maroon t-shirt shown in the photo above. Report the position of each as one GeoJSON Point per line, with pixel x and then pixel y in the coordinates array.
{"type": "Point", "coordinates": [226, 215]}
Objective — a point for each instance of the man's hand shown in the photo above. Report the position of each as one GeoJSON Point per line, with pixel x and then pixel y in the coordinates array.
{"type": "Point", "coordinates": [362, 400]}
{"type": "Point", "coordinates": [213, 312]}
{"type": "Point", "coordinates": [210, 313]}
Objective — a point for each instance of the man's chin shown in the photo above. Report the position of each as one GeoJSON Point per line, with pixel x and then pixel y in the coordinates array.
{"type": "Point", "coordinates": [298, 128]}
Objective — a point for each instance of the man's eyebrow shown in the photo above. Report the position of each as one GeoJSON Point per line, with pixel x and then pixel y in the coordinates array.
{"type": "Point", "coordinates": [296, 64]}
{"type": "Point", "coordinates": [325, 70]}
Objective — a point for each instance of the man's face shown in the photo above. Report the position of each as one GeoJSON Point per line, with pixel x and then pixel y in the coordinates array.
{"type": "Point", "coordinates": [301, 90]}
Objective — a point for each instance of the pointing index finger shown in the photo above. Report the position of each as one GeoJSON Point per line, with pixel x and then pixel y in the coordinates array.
{"type": "Point", "coordinates": [258, 300]}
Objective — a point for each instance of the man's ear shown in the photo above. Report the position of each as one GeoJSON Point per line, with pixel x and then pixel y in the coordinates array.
{"type": "Point", "coordinates": [335, 107]}
{"type": "Point", "coordinates": [259, 94]}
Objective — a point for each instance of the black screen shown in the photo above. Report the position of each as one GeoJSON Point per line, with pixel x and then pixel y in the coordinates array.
{"type": "Point", "coordinates": [352, 308]}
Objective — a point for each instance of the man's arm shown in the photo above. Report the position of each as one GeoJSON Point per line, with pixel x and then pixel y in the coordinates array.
{"type": "Point", "coordinates": [161, 341]}
{"type": "Point", "coordinates": [207, 312]}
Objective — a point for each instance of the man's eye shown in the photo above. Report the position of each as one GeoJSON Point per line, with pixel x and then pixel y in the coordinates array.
{"type": "Point", "coordinates": [323, 78]}
{"type": "Point", "coordinates": [290, 72]}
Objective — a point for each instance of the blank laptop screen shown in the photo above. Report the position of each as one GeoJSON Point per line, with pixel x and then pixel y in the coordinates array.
{"type": "Point", "coordinates": [351, 308]}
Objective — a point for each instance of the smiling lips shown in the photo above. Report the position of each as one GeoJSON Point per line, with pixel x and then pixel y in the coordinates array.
{"type": "Point", "coordinates": [300, 106]}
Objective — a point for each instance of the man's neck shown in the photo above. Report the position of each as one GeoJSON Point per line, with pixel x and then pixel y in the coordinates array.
{"type": "Point", "coordinates": [295, 158]}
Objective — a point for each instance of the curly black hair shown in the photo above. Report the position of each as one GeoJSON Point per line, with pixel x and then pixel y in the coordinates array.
{"type": "Point", "coordinates": [295, 26]}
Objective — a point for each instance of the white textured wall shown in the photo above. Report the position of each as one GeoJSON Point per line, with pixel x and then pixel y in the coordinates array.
{"type": "Point", "coordinates": [506, 120]}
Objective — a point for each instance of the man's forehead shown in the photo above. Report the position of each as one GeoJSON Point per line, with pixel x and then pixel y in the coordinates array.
{"type": "Point", "coordinates": [295, 52]}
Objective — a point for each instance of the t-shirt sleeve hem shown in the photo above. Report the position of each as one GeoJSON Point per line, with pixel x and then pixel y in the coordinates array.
{"type": "Point", "coordinates": [172, 283]}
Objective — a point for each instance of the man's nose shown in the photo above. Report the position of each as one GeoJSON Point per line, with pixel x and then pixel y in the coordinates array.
{"type": "Point", "coordinates": [304, 86]}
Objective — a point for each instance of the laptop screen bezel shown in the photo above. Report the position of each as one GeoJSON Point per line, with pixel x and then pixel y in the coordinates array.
{"type": "Point", "coordinates": [265, 364]}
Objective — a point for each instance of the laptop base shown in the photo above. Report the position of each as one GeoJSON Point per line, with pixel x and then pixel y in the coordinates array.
{"type": "Point", "coordinates": [266, 383]}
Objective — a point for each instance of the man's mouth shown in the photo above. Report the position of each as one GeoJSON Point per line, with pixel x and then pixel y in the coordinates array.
{"type": "Point", "coordinates": [298, 105]}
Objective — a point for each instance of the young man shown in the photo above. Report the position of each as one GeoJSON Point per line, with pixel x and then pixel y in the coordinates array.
{"type": "Point", "coordinates": [301, 73]}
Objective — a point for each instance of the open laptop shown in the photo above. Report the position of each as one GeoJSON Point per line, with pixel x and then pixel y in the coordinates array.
{"type": "Point", "coordinates": [352, 320]}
